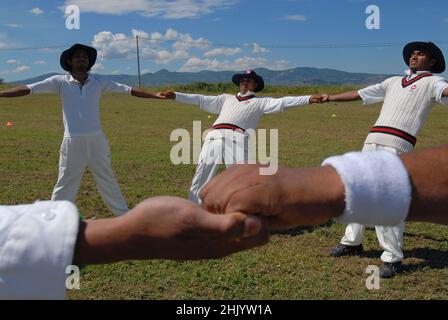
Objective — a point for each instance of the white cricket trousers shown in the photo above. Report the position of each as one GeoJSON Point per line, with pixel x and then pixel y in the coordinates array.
{"type": "Point", "coordinates": [390, 238]}
{"type": "Point", "coordinates": [93, 152]}
{"type": "Point", "coordinates": [220, 146]}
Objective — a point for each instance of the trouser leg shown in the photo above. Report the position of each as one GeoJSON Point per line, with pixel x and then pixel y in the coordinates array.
{"type": "Point", "coordinates": [209, 160]}
{"type": "Point", "coordinates": [72, 163]}
{"type": "Point", "coordinates": [101, 168]}
{"type": "Point", "coordinates": [354, 234]}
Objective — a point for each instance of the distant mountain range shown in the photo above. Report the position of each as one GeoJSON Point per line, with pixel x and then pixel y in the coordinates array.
{"type": "Point", "coordinates": [296, 76]}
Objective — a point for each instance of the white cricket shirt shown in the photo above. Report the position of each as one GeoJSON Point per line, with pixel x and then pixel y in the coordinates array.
{"type": "Point", "coordinates": [407, 102]}
{"type": "Point", "coordinates": [80, 103]}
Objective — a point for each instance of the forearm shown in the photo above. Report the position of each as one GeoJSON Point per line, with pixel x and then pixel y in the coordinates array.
{"type": "Point", "coordinates": [194, 99]}
{"type": "Point", "coordinates": [15, 92]}
{"type": "Point", "coordinates": [142, 94]}
{"type": "Point", "coordinates": [317, 195]}
{"type": "Point", "coordinates": [289, 102]}
{"type": "Point", "coordinates": [428, 171]}
{"type": "Point", "coordinates": [102, 241]}
{"type": "Point", "coordinates": [346, 96]}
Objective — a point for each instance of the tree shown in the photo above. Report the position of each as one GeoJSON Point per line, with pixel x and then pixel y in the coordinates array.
{"type": "Point", "coordinates": [1, 80]}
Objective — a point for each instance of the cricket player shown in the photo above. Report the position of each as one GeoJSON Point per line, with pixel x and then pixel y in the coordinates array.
{"type": "Point", "coordinates": [228, 141]}
{"type": "Point", "coordinates": [84, 143]}
{"type": "Point", "coordinates": [407, 102]}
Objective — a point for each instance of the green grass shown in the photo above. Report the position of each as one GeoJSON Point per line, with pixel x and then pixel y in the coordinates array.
{"type": "Point", "coordinates": [293, 265]}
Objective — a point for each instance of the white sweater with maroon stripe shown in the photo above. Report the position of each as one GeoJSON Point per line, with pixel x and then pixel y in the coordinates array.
{"type": "Point", "coordinates": [407, 102]}
{"type": "Point", "coordinates": [244, 114]}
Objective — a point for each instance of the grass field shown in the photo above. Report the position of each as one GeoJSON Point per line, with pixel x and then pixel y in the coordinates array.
{"type": "Point", "coordinates": [294, 265]}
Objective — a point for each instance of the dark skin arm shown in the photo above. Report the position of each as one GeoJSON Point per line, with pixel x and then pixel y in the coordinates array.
{"type": "Point", "coordinates": [15, 92]}
{"type": "Point", "coordinates": [142, 94]}
{"type": "Point", "coordinates": [342, 97]}
{"type": "Point", "coordinates": [312, 196]}
{"type": "Point", "coordinates": [428, 171]}
{"type": "Point", "coordinates": [166, 228]}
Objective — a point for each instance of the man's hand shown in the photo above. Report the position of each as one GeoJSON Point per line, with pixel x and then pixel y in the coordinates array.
{"type": "Point", "coordinates": [290, 198]}
{"type": "Point", "coordinates": [325, 98]}
{"type": "Point", "coordinates": [315, 98]}
{"type": "Point", "coordinates": [167, 228]}
{"type": "Point", "coordinates": [169, 95]}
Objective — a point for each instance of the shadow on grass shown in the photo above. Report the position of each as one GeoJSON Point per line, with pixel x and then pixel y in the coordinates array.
{"type": "Point", "coordinates": [430, 258]}
{"type": "Point", "coordinates": [301, 230]}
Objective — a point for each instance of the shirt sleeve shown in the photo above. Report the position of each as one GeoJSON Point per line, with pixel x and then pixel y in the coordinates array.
{"type": "Point", "coordinates": [212, 104]}
{"type": "Point", "coordinates": [439, 86]}
{"type": "Point", "coordinates": [275, 105]}
{"type": "Point", "coordinates": [49, 85]}
{"type": "Point", "coordinates": [375, 93]}
{"type": "Point", "coordinates": [37, 244]}
{"type": "Point", "coordinates": [112, 86]}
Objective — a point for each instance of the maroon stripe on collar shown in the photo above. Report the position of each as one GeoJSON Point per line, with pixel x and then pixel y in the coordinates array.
{"type": "Point", "coordinates": [395, 132]}
{"type": "Point", "coordinates": [405, 82]}
{"type": "Point", "coordinates": [245, 98]}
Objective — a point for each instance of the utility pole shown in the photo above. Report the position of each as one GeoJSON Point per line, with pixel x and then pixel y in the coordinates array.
{"type": "Point", "coordinates": [138, 64]}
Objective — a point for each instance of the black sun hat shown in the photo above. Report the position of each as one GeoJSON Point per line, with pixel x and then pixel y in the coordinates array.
{"type": "Point", "coordinates": [435, 52]}
{"type": "Point", "coordinates": [251, 75]}
{"type": "Point", "coordinates": [67, 54]}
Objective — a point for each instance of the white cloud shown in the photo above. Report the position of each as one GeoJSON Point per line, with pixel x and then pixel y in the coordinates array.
{"type": "Point", "coordinates": [256, 48]}
{"type": "Point", "coordinates": [166, 9]}
{"type": "Point", "coordinates": [114, 46]}
{"type": "Point", "coordinates": [13, 25]}
{"type": "Point", "coordinates": [296, 17]}
{"type": "Point", "coordinates": [40, 62]}
{"type": "Point", "coordinates": [4, 41]}
{"type": "Point", "coordinates": [12, 61]}
{"type": "Point", "coordinates": [21, 69]}
{"type": "Point", "coordinates": [37, 11]}
{"type": "Point", "coordinates": [98, 66]}
{"type": "Point", "coordinates": [222, 52]}
{"type": "Point", "coordinates": [243, 63]}
{"type": "Point", "coordinates": [154, 46]}
{"type": "Point", "coordinates": [185, 42]}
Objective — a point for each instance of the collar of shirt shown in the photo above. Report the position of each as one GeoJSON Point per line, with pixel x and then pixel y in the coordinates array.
{"type": "Point", "coordinates": [248, 93]}
{"type": "Point", "coordinates": [411, 75]}
{"type": "Point", "coordinates": [70, 78]}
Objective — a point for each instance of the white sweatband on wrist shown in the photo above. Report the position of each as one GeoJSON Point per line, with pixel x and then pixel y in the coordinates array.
{"type": "Point", "coordinates": [377, 187]}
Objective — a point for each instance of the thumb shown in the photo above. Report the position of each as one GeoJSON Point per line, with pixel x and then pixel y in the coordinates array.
{"type": "Point", "coordinates": [230, 226]}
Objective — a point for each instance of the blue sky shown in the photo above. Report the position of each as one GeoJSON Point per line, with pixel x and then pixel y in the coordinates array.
{"type": "Point", "coordinates": [192, 35]}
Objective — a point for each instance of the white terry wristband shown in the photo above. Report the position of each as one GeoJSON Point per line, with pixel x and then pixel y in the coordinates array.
{"type": "Point", "coordinates": [377, 187]}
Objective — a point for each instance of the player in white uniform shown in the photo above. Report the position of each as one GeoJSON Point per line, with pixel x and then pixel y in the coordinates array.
{"type": "Point", "coordinates": [228, 142]}
{"type": "Point", "coordinates": [407, 102]}
{"type": "Point", "coordinates": [84, 144]}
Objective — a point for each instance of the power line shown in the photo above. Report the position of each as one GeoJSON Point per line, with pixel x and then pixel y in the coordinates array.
{"type": "Point", "coordinates": [303, 45]}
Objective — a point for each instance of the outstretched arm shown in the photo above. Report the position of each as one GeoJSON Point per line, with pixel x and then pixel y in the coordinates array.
{"type": "Point", "coordinates": [146, 95]}
{"type": "Point", "coordinates": [19, 91]}
{"type": "Point", "coordinates": [52, 237]}
{"type": "Point", "coordinates": [346, 96]}
{"type": "Point", "coordinates": [212, 104]}
{"type": "Point", "coordinates": [275, 105]}
{"type": "Point", "coordinates": [166, 228]}
{"type": "Point", "coordinates": [414, 188]}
